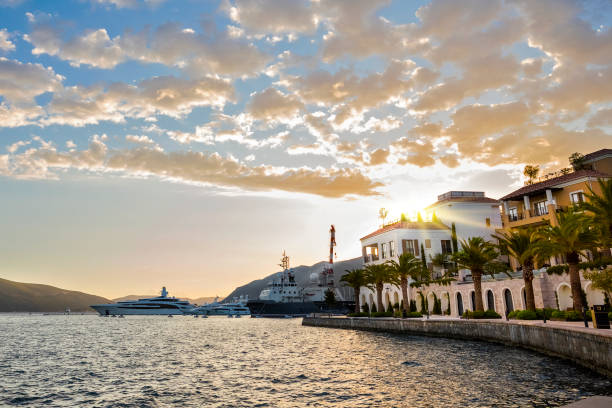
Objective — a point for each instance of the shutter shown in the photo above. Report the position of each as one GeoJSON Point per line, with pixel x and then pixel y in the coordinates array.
{"type": "Point", "coordinates": [403, 246]}
{"type": "Point", "coordinates": [416, 247]}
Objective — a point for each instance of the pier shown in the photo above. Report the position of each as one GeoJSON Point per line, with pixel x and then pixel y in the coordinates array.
{"type": "Point", "coordinates": [587, 347]}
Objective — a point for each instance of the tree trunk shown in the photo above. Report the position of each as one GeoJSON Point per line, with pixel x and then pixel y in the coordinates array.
{"type": "Point", "coordinates": [528, 278]}
{"type": "Point", "coordinates": [476, 277]}
{"type": "Point", "coordinates": [357, 295]}
{"type": "Point", "coordinates": [572, 261]}
{"type": "Point", "coordinates": [379, 290]}
{"type": "Point", "coordinates": [404, 284]}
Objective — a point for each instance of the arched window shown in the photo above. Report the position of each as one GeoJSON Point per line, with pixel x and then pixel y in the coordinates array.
{"type": "Point", "coordinates": [490, 300]}
{"type": "Point", "coordinates": [524, 298]}
{"type": "Point", "coordinates": [508, 300]}
{"type": "Point", "coordinates": [459, 304]}
{"type": "Point", "coordinates": [473, 300]}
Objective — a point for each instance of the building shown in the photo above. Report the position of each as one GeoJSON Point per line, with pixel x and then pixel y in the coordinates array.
{"type": "Point", "coordinates": [422, 239]}
{"type": "Point", "coordinates": [474, 214]}
{"type": "Point", "coordinates": [536, 204]}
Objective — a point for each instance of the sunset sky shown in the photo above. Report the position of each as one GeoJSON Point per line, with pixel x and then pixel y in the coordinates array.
{"type": "Point", "coordinates": [188, 143]}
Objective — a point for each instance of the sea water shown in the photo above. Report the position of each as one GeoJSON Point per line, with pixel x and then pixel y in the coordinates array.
{"type": "Point", "coordinates": [156, 361]}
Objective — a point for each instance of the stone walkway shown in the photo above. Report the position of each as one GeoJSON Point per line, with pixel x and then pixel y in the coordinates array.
{"type": "Point", "coordinates": [577, 326]}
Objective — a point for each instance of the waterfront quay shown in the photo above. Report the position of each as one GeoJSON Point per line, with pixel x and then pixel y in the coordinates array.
{"type": "Point", "coordinates": [589, 347]}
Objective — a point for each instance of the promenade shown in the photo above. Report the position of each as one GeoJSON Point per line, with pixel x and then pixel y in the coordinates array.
{"type": "Point", "coordinates": [588, 347]}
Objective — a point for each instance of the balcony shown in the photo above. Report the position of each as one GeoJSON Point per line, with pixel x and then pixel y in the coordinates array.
{"type": "Point", "coordinates": [539, 212]}
{"type": "Point", "coordinates": [370, 258]}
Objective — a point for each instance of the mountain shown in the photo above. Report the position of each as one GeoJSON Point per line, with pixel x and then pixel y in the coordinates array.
{"type": "Point", "coordinates": [196, 301]}
{"type": "Point", "coordinates": [302, 277]}
{"type": "Point", "coordinates": [32, 297]}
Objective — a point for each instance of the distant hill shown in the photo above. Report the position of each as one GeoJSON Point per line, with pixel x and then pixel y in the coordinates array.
{"type": "Point", "coordinates": [196, 301]}
{"type": "Point", "coordinates": [302, 277]}
{"type": "Point", "coordinates": [32, 297]}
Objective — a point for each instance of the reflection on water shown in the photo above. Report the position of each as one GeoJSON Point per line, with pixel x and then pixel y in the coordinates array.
{"type": "Point", "coordinates": [220, 362]}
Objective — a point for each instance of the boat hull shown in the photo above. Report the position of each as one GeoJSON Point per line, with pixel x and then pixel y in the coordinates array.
{"type": "Point", "coordinates": [266, 308]}
{"type": "Point", "coordinates": [109, 310]}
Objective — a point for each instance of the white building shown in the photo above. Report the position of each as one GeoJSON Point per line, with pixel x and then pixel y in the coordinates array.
{"type": "Point", "coordinates": [422, 239]}
{"type": "Point", "coordinates": [474, 214]}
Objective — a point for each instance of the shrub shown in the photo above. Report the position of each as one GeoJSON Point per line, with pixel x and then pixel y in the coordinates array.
{"type": "Point", "coordinates": [397, 313]}
{"type": "Point", "coordinates": [573, 316]}
{"type": "Point", "coordinates": [365, 308]}
{"type": "Point", "coordinates": [558, 315]}
{"type": "Point", "coordinates": [488, 314]}
{"type": "Point", "coordinates": [360, 314]}
{"type": "Point", "coordinates": [610, 315]}
{"type": "Point", "coordinates": [414, 314]}
{"type": "Point", "coordinates": [382, 314]}
{"type": "Point", "coordinates": [512, 314]}
{"type": "Point", "coordinates": [546, 311]}
{"type": "Point", "coordinates": [527, 315]}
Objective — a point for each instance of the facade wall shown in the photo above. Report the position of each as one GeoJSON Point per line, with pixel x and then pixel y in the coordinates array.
{"type": "Point", "coordinates": [435, 236]}
{"type": "Point", "coordinates": [550, 291]}
{"type": "Point", "coordinates": [470, 218]}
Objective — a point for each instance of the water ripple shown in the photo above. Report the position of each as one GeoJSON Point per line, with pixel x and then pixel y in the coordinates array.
{"type": "Point", "coordinates": [219, 362]}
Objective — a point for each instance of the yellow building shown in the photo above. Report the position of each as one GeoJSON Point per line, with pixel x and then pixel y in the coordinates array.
{"type": "Point", "coordinates": [536, 204]}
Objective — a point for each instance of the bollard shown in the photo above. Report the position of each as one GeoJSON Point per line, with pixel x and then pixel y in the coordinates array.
{"type": "Point", "coordinates": [544, 313]}
{"type": "Point", "coordinates": [584, 314]}
{"type": "Point", "coordinates": [507, 315]}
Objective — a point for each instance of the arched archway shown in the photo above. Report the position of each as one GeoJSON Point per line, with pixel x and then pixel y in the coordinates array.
{"type": "Point", "coordinates": [444, 301]}
{"type": "Point", "coordinates": [371, 302]}
{"type": "Point", "coordinates": [363, 301]}
{"type": "Point", "coordinates": [564, 296]}
{"type": "Point", "coordinates": [396, 300]}
{"type": "Point", "coordinates": [472, 301]}
{"type": "Point", "coordinates": [387, 300]}
{"type": "Point", "coordinates": [490, 300]}
{"type": "Point", "coordinates": [431, 301]}
{"type": "Point", "coordinates": [594, 296]}
{"type": "Point", "coordinates": [508, 301]}
{"type": "Point", "coordinates": [459, 304]}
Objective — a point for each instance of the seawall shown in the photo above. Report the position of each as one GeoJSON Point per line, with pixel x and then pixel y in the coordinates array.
{"type": "Point", "coordinates": [580, 346]}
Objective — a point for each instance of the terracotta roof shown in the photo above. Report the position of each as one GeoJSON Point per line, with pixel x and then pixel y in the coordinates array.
{"type": "Point", "coordinates": [478, 200]}
{"type": "Point", "coordinates": [408, 225]}
{"type": "Point", "coordinates": [595, 155]}
{"type": "Point", "coordinates": [551, 183]}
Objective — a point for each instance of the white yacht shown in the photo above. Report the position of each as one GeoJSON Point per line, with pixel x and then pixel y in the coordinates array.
{"type": "Point", "coordinates": [237, 308]}
{"type": "Point", "coordinates": [160, 305]}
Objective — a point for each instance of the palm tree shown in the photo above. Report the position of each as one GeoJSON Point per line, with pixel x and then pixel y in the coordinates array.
{"type": "Point", "coordinates": [408, 267]}
{"type": "Point", "coordinates": [600, 206]}
{"type": "Point", "coordinates": [355, 278]}
{"type": "Point", "coordinates": [376, 277]}
{"type": "Point", "coordinates": [571, 237]}
{"type": "Point", "coordinates": [476, 254]}
{"type": "Point", "coordinates": [522, 245]}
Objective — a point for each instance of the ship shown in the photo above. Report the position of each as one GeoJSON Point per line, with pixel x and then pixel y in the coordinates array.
{"type": "Point", "coordinates": [237, 308]}
{"type": "Point", "coordinates": [284, 297]}
{"type": "Point", "coordinates": [159, 305]}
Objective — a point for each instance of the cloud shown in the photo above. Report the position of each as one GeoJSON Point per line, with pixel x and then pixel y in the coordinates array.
{"type": "Point", "coordinates": [170, 44]}
{"type": "Point", "coordinates": [127, 3]}
{"type": "Point", "coordinates": [175, 97]}
{"type": "Point", "coordinates": [192, 167]}
{"type": "Point", "coordinates": [272, 105]}
{"type": "Point", "coordinates": [5, 41]}
{"type": "Point", "coordinates": [140, 139]}
{"type": "Point", "coordinates": [21, 82]}
{"type": "Point", "coordinates": [273, 16]}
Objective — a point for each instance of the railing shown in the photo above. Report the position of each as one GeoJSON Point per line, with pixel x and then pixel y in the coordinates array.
{"type": "Point", "coordinates": [540, 211]}
{"type": "Point", "coordinates": [370, 258]}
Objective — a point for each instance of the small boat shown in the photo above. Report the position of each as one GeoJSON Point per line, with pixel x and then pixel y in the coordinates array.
{"type": "Point", "coordinates": [195, 316]}
{"type": "Point", "coordinates": [204, 316]}
{"type": "Point", "coordinates": [169, 315]}
{"type": "Point", "coordinates": [121, 316]}
{"type": "Point", "coordinates": [230, 316]}
{"type": "Point", "coordinates": [238, 316]}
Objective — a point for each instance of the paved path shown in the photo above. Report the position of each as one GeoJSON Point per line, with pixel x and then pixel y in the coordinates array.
{"type": "Point", "coordinates": [577, 326]}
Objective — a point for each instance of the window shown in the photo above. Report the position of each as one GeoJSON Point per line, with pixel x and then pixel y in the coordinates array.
{"type": "Point", "coordinates": [488, 221]}
{"type": "Point", "coordinates": [408, 246]}
{"type": "Point", "coordinates": [392, 249]}
{"type": "Point", "coordinates": [383, 250]}
{"type": "Point", "coordinates": [512, 214]}
{"type": "Point", "coordinates": [446, 246]}
{"type": "Point", "coordinates": [577, 197]}
{"type": "Point", "coordinates": [540, 208]}
{"type": "Point", "coordinates": [428, 243]}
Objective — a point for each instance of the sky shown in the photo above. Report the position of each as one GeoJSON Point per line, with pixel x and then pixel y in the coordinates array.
{"type": "Point", "coordinates": [188, 143]}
